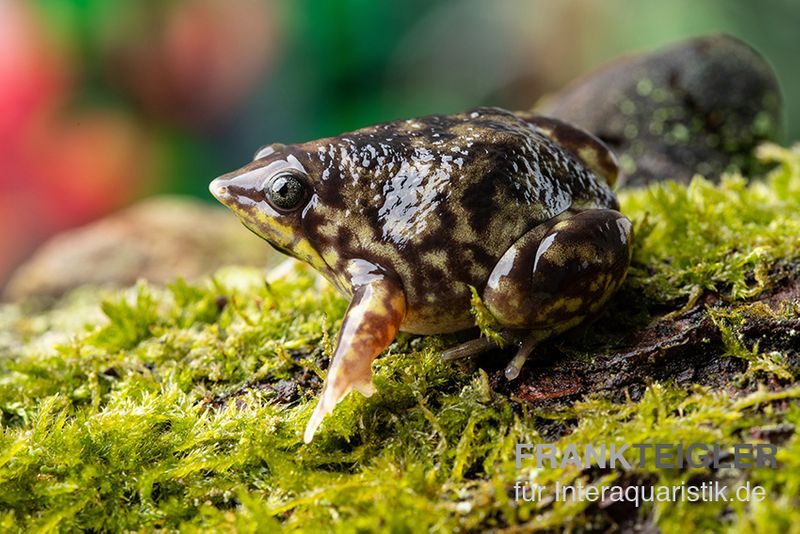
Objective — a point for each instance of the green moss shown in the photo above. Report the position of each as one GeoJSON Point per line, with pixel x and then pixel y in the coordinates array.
{"type": "Point", "coordinates": [484, 319]}
{"type": "Point", "coordinates": [729, 321]}
{"type": "Point", "coordinates": [183, 407]}
{"type": "Point", "coordinates": [724, 238]}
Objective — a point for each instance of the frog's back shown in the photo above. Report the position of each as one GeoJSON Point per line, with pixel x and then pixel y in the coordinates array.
{"type": "Point", "coordinates": [472, 168]}
{"type": "Point", "coordinates": [441, 198]}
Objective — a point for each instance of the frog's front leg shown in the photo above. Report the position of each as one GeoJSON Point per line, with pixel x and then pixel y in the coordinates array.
{"type": "Point", "coordinates": [369, 326]}
{"type": "Point", "coordinates": [556, 275]}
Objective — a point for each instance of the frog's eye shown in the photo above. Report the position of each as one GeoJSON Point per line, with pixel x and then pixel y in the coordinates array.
{"type": "Point", "coordinates": [286, 191]}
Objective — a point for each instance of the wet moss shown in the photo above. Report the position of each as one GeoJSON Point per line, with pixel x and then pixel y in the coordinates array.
{"type": "Point", "coordinates": [183, 407]}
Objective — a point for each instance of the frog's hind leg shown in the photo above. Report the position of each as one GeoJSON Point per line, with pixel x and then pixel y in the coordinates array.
{"type": "Point", "coordinates": [558, 274]}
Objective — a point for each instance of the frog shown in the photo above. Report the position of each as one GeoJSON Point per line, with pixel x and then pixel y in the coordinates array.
{"type": "Point", "coordinates": [407, 218]}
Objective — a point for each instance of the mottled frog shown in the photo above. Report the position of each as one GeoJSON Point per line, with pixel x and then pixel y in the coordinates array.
{"type": "Point", "coordinates": [403, 217]}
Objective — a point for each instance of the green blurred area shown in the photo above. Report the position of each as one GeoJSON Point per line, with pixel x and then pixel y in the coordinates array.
{"type": "Point", "coordinates": [341, 64]}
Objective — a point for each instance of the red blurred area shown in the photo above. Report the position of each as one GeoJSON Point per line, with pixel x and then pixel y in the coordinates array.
{"type": "Point", "coordinates": [193, 61]}
{"type": "Point", "coordinates": [58, 168]}
{"type": "Point", "coordinates": [66, 159]}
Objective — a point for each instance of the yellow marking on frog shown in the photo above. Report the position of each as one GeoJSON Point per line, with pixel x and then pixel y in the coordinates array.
{"type": "Point", "coordinates": [594, 161]}
{"type": "Point", "coordinates": [478, 271]}
{"type": "Point", "coordinates": [611, 287]}
{"type": "Point", "coordinates": [282, 230]}
{"type": "Point", "coordinates": [561, 303]}
{"type": "Point", "coordinates": [554, 254]}
{"type": "Point", "coordinates": [304, 250]}
{"type": "Point", "coordinates": [436, 258]}
{"type": "Point", "coordinates": [566, 325]}
{"type": "Point", "coordinates": [329, 229]}
{"type": "Point", "coordinates": [283, 233]}
{"type": "Point", "coordinates": [573, 304]}
{"type": "Point", "coordinates": [331, 257]}
{"type": "Point", "coordinates": [365, 234]}
{"type": "Point", "coordinates": [590, 157]}
{"type": "Point", "coordinates": [602, 279]}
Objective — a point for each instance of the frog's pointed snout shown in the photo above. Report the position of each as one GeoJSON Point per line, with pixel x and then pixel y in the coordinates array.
{"type": "Point", "coordinates": [219, 189]}
{"type": "Point", "coordinates": [238, 189]}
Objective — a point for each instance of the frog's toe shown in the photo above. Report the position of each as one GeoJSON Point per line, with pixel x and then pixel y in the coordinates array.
{"type": "Point", "coordinates": [525, 349]}
{"type": "Point", "coordinates": [474, 347]}
{"type": "Point", "coordinates": [335, 390]}
{"type": "Point", "coordinates": [468, 348]}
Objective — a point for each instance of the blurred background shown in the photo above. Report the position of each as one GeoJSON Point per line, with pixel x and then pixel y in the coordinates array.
{"type": "Point", "coordinates": [105, 103]}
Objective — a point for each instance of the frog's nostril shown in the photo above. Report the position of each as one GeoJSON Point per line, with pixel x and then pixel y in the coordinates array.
{"type": "Point", "coordinates": [217, 189]}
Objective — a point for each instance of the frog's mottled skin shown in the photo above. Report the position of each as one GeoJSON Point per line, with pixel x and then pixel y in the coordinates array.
{"type": "Point", "coordinates": [404, 216]}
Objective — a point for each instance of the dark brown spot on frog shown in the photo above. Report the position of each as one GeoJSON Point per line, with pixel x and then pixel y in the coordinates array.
{"type": "Point", "coordinates": [476, 199]}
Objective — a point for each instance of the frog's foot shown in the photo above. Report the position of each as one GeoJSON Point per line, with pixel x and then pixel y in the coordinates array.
{"type": "Point", "coordinates": [336, 389]}
{"type": "Point", "coordinates": [370, 324]}
{"type": "Point", "coordinates": [474, 347]}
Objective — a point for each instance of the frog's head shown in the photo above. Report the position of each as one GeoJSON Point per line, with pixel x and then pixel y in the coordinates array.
{"type": "Point", "coordinates": [271, 196]}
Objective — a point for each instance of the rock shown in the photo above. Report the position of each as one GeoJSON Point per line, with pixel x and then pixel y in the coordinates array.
{"type": "Point", "coordinates": [699, 106]}
{"type": "Point", "coordinates": [158, 239]}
